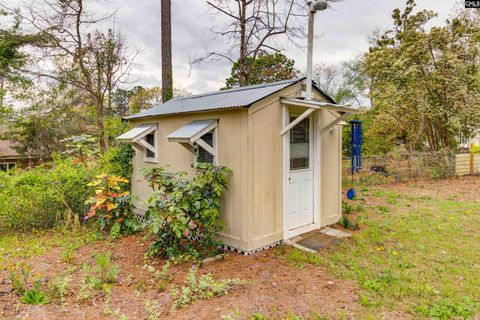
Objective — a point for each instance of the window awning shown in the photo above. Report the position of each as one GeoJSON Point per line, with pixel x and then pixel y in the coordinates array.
{"type": "Point", "coordinates": [193, 131]}
{"type": "Point", "coordinates": [190, 136]}
{"type": "Point", "coordinates": [137, 133]}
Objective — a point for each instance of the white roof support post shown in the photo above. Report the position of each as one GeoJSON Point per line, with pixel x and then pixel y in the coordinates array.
{"type": "Point", "coordinates": [206, 146]}
{"type": "Point", "coordinates": [333, 123]}
{"type": "Point", "coordinates": [146, 145]}
{"type": "Point", "coordinates": [292, 124]}
{"type": "Point", "coordinates": [188, 146]}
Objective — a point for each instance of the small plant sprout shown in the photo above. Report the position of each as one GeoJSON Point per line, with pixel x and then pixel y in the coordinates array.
{"type": "Point", "coordinates": [58, 288]}
{"type": "Point", "coordinates": [152, 308]}
{"type": "Point", "coordinates": [162, 278]}
{"type": "Point", "coordinates": [34, 296]}
{"type": "Point", "coordinates": [347, 208]}
{"type": "Point", "coordinates": [19, 280]}
{"type": "Point", "coordinates": [107, 271]}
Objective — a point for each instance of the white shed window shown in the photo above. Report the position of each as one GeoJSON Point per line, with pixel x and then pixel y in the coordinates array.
{"type": "Point", "coordinates": [143, 138]}
{"type": "Point", "coordinates": [200, 138]}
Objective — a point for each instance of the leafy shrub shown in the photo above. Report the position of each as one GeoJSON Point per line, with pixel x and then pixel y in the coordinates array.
{"type": "Point", "coordinates": [184, 213]}
{"type": "Point", "coordinates": [82, 148]}
{"type": "Point", "coordinates": [118, 161]}
{"type": "Point", "coordinates": [438, 165]}
{"type": "Point", "coordinates": [475, 148]}
{"type": "Point", "coordinates": [112, 205]}
{"type": "Point", "coordinates": [34, 296]}
{"type": "Point", "coordinates": [203, 287]}
{"type": "Point", "coordinates": [44, 196]}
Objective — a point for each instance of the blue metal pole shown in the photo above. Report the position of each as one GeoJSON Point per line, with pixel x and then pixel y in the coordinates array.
{"type": "Point", "coordinates": [353, 147]}
{"type": "Point", "coordinates": [360, 145]}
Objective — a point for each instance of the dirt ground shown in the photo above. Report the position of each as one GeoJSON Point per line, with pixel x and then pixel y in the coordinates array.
{"type": "Point", "coordinates": [270, 283]}
{"type": "Point", "coordinates": [459, 188]}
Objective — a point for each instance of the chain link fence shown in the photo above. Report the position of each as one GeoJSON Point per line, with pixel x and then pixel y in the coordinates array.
{"type": "Point", "coordinates": [402, 167]}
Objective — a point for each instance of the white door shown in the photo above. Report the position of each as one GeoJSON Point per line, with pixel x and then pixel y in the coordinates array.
{"type": "Point", "coordinates": [300, 180]}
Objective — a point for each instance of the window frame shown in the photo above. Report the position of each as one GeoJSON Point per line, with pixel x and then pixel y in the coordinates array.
{"type": "Point", "coordinates": [143, 140]}
{"type": "Point", "coordinates": [202, 143]}
{"type": "Point", "coordinates": [8, 165]}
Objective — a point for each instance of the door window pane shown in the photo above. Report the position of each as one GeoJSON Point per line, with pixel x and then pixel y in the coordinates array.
{"type": "Point", "coordinates": [300, 145]}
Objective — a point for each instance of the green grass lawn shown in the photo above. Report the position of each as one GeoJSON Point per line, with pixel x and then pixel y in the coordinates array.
{"type": "Point", "coordinates": [414, 255]}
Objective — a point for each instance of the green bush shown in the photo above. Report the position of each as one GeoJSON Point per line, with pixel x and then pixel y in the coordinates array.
{"type": "Point", "coordinates": [118, 161]}
{"type": "Point", "coordinates": [44, 196]}
{"type": "Point", "coordinates": [112, 206]}
{"type": "Point", "coordinates": [184, 213]}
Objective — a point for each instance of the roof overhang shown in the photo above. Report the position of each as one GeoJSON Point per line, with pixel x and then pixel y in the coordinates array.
{"type": "Point", "coordinates": [192, 131]}
{"type": "Point", "coordinates": [320, 105]}
{"type": "Point", "coordinates": [137, 133]}
{"type": "Point", "coordinates": [340, 112]}
{"type": "Point", "coordinates": [190, 136]}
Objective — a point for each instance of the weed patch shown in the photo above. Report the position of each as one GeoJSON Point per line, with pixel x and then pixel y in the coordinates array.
{"type": "Point", "coordinates": [35, 295]}
{"type": "Point", "coordinates": [202, 287]}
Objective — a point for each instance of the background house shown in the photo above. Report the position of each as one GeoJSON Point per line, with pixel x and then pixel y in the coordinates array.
{"type": "Point", "coordinates": [9, 157]}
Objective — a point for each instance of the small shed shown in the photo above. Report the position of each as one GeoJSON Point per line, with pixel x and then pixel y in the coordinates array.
{"type": "Point", "coordinates": [284, 152]}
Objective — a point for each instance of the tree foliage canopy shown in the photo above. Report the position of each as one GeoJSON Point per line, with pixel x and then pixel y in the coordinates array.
{"type": "Point", "coordinates": [265, 68]}
{"type": "Point", "coordinates": [425, 82]}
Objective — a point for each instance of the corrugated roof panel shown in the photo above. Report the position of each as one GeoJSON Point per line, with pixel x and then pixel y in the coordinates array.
{"type": "Point", "coordinates": [233, 98]}
{"type": "Point", "coordinates": [191, 129]}
{"type": "Point", "coordinates": [136, 132]}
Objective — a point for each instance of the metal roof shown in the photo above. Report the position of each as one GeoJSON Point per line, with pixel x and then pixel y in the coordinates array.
{"type": "Point", "coordinates": [225, 99]}
{"type": "Point", "coordinates": [191, 129]}
{"type": "Point", "coordinates": [136, 132]}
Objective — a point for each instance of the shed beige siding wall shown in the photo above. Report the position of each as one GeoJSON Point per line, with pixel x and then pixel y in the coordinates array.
{"type": "Point", "coordinates": [331, 170]}
{"type": "Point", "coordinates": [232, 141]}
{"type": "Point", "coordinates": [266, 165]}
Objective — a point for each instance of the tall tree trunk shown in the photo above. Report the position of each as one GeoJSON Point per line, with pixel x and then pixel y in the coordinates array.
{"type": "Point", "coordinates": [242, 76]}
{"type": "Point", "coordinates": [102, 137]}
{"type": "Point", "coordinates": [167, 73]}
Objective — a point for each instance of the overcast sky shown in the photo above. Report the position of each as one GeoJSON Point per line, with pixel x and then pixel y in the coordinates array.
{"type": "Point", "coordinates": [341, 34]}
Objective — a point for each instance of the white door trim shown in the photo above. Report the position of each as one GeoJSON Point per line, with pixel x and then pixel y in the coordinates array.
{"type": "Point", "coordinates": [287, 234]}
